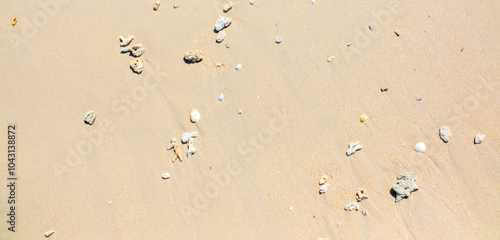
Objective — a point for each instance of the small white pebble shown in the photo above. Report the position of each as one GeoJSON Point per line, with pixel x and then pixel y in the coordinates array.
{"type": "Point", "coordinates": [165, 175]}
{"type": "Point", "coordinates": [252, 2]}
{"type": "Point", "coordinates": [420, 147]}
{"type": "Point", "coordinates": [291, 208]}
{"type": "Point", "coordinates": [221, 96]}
{"type": "Point", "coordinates": [313, 1]}
{"type": "Point", "coordinates": [238, 67]}
{"type": "Point", "coordinates": [279, 39]}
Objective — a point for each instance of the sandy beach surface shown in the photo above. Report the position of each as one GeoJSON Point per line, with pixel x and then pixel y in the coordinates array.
{"type": "Point", "coordinates": [287, 118]}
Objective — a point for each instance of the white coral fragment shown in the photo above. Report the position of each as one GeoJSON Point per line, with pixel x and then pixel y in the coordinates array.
{"type": "Point", "coordinates": [353, 147]}
{"type": "Point", "coordinates": [125, 41]}
{"type": "Point", "coordinates": [187, 135]}
{"type": "Point", "coordinates": [90, 117]}
{"type": "Point", "coordinates": [222, 22]}
{"type": "Point", "coordinates": [136, 50]}
{"type": "Point", "coordinates": [136, 65]}
{"type": "Point", "coordinates": [352, 206]}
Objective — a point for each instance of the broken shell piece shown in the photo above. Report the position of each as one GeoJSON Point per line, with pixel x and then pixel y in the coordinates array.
{"type": "Point", "coordinates": [191, 149]}
{"type": "Point", "coordinates": [14, 21]}
{"type": "Point", "coordinates": [397, 32]}
{"type": "Point", "coordinates": [228, 7]}
{"type": "Point", "coordinates": [384, 88]}
{"type": "Point", "coordinates": [173, 142]}
{"type": "Point", "coordinates": [218, 65]}
{"type": "Point", "coordinates": [220, 36]}
{"type": "Point", "coordinates": [352, 206]}
{"type": "Point", "coordinates": [405, 186]}
{"type": "Point", "coordinates": [165, 175]}
{"type": "Point", "coordinates": [323, 188]}
{"type": "Point", "coordinates": [445, 133]}
{"type": "Point", "coordinates": [479, 138]}
{"type": "Point", "coordinates": [195, 116]}
{"type": "Point", "coordinates": [361, 195]}
{"type": "Point", "coordinates": [125, 41]}
{"type": "Point", "coordinates": [238, 67]}
{"type": "Point", "coordinates": [193, 56]}
{"type": "Point", "coordinates": [90, 117]}
{"type": "Point", "coordinates": [323, 180]}
{"type": "Point", "coordinates": [330, 58]}
{"type": "Point", "coordinates": [187, 135]}
{"type": "Point", "coordinates": [222, 22]}
{"type": "Point", "coordinates": [353, 147]}
{"type": "Point", "coordinates": [136, 50]}
{"type": "Point", "coordinates": [240, 111]}
{"type": "Point", "coordinates": [156, 5]}
{"type": "Point", "coordinates": [49, 233]}
{"type": "Point", "coordinates": [136, 65]}
{"type": "Point", "coordinates": [363, 118]}
{"type": "Point", "coordinates": [252, 2]}
{"type": "Point", "coordinates": [221, 97]}
{"type": "Point", "coordinates": [420, 147]}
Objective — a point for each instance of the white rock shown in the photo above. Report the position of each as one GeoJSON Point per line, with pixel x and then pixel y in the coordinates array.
{"type": "Point", "coordinates": [352, 206]}
{"type": "Point", "coordinates": [187, 135]}
{"type": "Point", "coordinates": [222, 22]}
{"type": "Point", "coordinates": [228, 7]}
{"type": "Point", "coordinates": [221, 97]}
{"type": "Point", "coordinates": [279, 39]}
{"type": "Point", "coordinates": [479, 138]}
{"type": "Point", "coordinates": [353, 147]}
{"type": "Point", "coordinates": [193, 56]}
{"type": "Point", "coordinates": [220, 36]}
{"type": "Point", "coordinates": [420, 147]}
{"type": "Point", "coordinates": [125, 41]}
{"type": "Point", "coordinates": [195, 116]}
{"type": "Point", "coordinates": [165, 175]}
{"type": "Point", "coordinates": [291, 208]}
{"type": "Point", "coordinates": [90, 117]}
{"type": "Point", "coordinates": [238, 67]}
{"type": "Point", "coordinates": [323, 188]}
{"type": "Point", "coordinates": [136, 65]}
{"type": "Point", "coordinates": [445, 133]}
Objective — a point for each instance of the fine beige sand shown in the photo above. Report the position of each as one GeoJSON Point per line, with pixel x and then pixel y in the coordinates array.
{"type": "Point", "coordinates": [299, 114]}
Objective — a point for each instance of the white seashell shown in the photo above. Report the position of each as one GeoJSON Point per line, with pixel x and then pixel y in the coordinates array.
{"type": "Point", "coordinates": [353, 147]}
{"type": "Point", "coordinates": [330, 58]}
{"type": "Point", "coordinates": [252, 2]}
{"type": "Point", "coordinates": [193, 56]}
{"type": "Point", "coordinates": [222, 22]}
{"type": "Point", "coordinates": [445, 133]}
{"type": "Point", "coordinates": [479, 138]}
{"type": "Point", "coordinates": [195, 116]}
{"type": "Point", "coordinates": [49, 233]}
{"type": "Point", "coordinates": [323, 188]}
{"type": "Point", "coordinates": [187, 135]}
{"type": "Point", "coordinates": [173, 142]}
{"type": "Point", "coordinates": [279, 39]}
{"type": "Point", "coordinates": [165, 175]}
{"type": "Point", "coordinates": [323, 180]}
{"type": "Point", "coordinates": [136, 65]}
{"type": "Point", "coordinates": [125, 41]}
{"type": "Point", "coordinates": [90, 117]}
{"type": "Point", "coordinates": [191, 149]}
{"type": "Point", "coordinates": [420, 147]}
{"type": "Point", "coordinates": [228, 7]}
{"type": "Point", "coordinates": [220, 36]}
{"type": "Point", "coordinates": [238, 67]}
{"type": "Point", "coordinates": [221, 97]}
{"type": "Point", "coordinates": [352, 206]}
